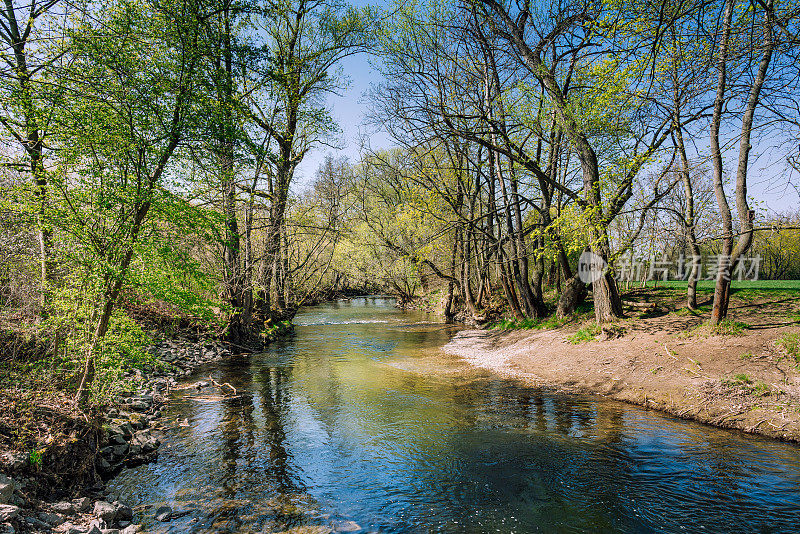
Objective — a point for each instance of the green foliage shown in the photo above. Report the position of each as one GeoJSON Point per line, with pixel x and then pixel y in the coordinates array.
{"type": "Point", "coordinates": [748, 384]}
{"type": "Point", "coordinates": [585, 334]}
{"type": "Point", "coordinates": [35, 459]}
{"type": "Point", "coordinates": [729, 327]}
{"type": "Point", "coordinates": [726, 327]}
{"type": "Point", "coordinates": [743, 378]}
{"type": "Point", "coordinates": [686, 312]}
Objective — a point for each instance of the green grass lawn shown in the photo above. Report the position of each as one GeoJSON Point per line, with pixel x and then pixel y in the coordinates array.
{"type": "Point", "coordinates": [736, 284]}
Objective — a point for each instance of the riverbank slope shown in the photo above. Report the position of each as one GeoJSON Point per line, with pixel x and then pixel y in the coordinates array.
{"type": "Point", "coordinates": [742, 377]}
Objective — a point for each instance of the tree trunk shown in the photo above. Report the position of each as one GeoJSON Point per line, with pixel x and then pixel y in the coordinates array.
{"type": "Point", "coordinates": [733, 255]}
{"type": "Point", "coordinates": [607, 304]}
{"type": "Point", "coordinates": [573, 295]}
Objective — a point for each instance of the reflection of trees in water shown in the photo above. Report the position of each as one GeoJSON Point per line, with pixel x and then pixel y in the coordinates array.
{"type": "Point", "coordinates": [237, 428]}
{"type": "Point", "coordinates": [255, 464]}
{"type": "Point", "coordinates": [275, 397]}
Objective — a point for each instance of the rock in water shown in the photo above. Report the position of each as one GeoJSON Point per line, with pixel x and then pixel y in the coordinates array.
{"type": "Point", "coordinates": [347, 526]}
{"type": "Point", "coordinates": [124, 512]}
{"type": "Point", "coordinates": [164, 513]}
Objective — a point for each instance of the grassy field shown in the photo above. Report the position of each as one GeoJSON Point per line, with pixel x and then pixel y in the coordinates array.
{"type": "Point", "coordinates": [736, 284]}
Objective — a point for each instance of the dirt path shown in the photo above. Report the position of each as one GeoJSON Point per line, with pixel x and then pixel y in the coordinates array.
{"type": "Point", "coordinates": [732, 381]}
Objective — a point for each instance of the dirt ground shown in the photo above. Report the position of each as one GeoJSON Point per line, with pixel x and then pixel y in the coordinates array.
{"type": "Point", "coordinates": [667, 361]}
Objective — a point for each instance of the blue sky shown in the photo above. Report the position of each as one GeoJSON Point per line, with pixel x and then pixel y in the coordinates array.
{"type": "Point", "coordinates": [349, 110]}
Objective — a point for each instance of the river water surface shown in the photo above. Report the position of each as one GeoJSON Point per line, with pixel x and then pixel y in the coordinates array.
{"type": "Point", "coordinates": [359, 420]}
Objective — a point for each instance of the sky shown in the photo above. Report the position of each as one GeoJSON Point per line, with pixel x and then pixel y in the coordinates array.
{"type": "Point", "coordinates": [349, 109]}
{"type": "Point", "coordinates": [769, 180]}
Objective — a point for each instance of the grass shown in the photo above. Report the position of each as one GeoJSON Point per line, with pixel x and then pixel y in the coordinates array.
{"type": "Point", "coordinates": [726, 327]}
{"type": "Point", "coordinates": [735, 284]}
{"type": "Point", "coordinates": [548, 323]}
{"type": "Point", "coordinates": [742, 380]}
{"type": "Point", "coordinates": [587, 333]}
{"type": "Point", "coordinates": [729, 327]}
{"type": "Point", "coordinates": [790, 344]}
{"type": "Point", "coordinates": [685, 312]}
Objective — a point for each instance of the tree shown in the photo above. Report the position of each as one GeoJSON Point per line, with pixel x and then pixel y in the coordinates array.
{"type": "Point", "coordinates": [27, 84]}
{"type": "Point", "coordinates": [304, 41]}
{"type": "Point", "coordinates": [131, 85]}
{"type": "Point", "coordinates": [733, 34]}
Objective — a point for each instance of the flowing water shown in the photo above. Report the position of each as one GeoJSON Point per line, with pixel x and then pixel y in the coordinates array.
{"type": "Point", "coordinates": [359, 420]}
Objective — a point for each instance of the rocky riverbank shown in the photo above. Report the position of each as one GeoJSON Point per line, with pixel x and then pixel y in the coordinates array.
{"type": "Point", "coordinates": [125, 435]}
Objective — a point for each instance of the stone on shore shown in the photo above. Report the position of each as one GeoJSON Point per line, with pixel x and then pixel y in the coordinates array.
{"type": "Point", "coordinates": [8, 512]}
{"type": "Point", "coordinates": [105, 511]}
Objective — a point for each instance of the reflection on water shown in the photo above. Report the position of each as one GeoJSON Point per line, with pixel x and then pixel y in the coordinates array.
{"type": "Point", "coordinates": [346, 422]}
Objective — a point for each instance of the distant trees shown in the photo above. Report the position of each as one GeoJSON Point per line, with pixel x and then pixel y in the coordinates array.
{"type": "Point", "coordinates": [31, 56]}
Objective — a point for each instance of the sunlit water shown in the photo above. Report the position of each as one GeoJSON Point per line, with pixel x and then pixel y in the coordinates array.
{"type": "Point", "coordinates": [359, 417]}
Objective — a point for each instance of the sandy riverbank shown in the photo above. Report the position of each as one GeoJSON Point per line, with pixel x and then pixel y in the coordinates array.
{"type": "Point", "coordinates": [743, 382]}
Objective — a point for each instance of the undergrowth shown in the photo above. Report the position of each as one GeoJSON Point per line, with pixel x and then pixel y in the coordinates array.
{"type": "Point", "coordinates": [584, 334]}
{"type": "Point", "coordinates": [790, 344]}
{"type": "Point", "coordinates": [548, 323]}
{"type": "Point", "coordinates": [726, 327]}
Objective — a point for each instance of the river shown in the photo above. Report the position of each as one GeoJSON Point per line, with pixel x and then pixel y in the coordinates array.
{"type": "Point", "coordinates": [359, 420]}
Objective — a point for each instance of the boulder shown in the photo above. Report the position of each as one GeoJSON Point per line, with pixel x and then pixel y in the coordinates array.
{"type": "Point", "coordinates": [51, 519]}
{"type": "Point", "coordinates": [119, 427]}
{"type": "Point", "coordinates": [124, 512]}
{"type": "Point", "coordinates": [69, 528]}
{"type": "Point", "coordinates": [146, 441]}
{"type": "Point", "coordinates": [14, 460]}
{"type": "Point", "coordinates": [37, 523]}
{"type": "Point", "coordinates": [7, 487]}
{"type": "Point", "coordinates": [63, 508]}
{"type": "Point", "coordinates": [104, 511]}
{"type": "Point", "coordinates": [97, 524]}
{"type": "Point", "coordinates": [81, 504]}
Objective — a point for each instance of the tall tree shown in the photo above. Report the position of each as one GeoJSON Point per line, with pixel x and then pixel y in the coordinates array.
{"type": "Point", "coordinates": [132, 84]}
{"type": "Point", "coordinates": [304, 42]}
